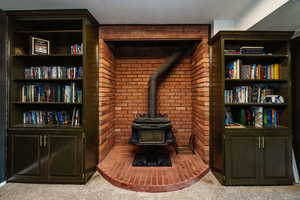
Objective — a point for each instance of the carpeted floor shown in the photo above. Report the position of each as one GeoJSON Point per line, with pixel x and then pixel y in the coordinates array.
{"type": "Point", "coordinates": [97, 188]}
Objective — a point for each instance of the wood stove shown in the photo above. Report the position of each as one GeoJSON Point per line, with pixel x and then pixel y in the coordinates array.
{"type": "Point", "coordinates": [151, 130]}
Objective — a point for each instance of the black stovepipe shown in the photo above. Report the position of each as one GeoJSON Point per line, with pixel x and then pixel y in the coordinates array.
{"type": "Point", "coordinates": [153, 81]}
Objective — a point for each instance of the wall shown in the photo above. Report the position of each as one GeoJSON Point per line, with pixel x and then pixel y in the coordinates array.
{"type": "Point", "coordinates": [106, 99]}
{"type": "Point", "coordinates": [174, 96]}
{"type": "Point", "coordinates": [200, 99]}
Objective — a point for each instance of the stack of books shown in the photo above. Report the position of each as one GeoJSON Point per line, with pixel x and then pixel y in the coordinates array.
{"type": "Point", "coordinates": [247, 94]}
{"type": "Point", "coordinates": [51, 93]}
{"type": "Point", "coordinates": [232, 70]}
{"type": "Point", "coordinates": [53, 72]}
{"type": "Point", "coordinates": [232, 52]}
{"type": "Point", "coordinates": [236, 70]}
{"type": "Point", "coordinates": [252, 50]}
{"type": "Point", "coordinates": [256, 117]}
{"type": "Point", "coordinates": [271, 118]}
{"type": "Point", "coordinates": [76, 49]}
{"type": "Point", "coordinates": [52, 117]}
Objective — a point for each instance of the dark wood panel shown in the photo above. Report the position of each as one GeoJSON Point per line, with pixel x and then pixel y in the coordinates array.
{"type": "Point", "coordinates": [242, 160]}
{"type": "Point", "coordinates": [276, 160]}
{"type": "Point", "coordinates": [64, 157]}
{"type": "Point", "coordinates": [25, 157]}
{"type": "Point", "coordinates": [296, 97]}
{"type": "Point", "coordinates": [91, 94]}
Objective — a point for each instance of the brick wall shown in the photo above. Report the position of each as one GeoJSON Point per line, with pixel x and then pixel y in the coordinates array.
{"type": "Point", "coordinates": [106, 99]}
{"type": "Point", "coordinates": [184, 95]}
{"type": "Point", "coordinates": [200, 99]}
{"type": "Point", "coordinates": [174, 96]}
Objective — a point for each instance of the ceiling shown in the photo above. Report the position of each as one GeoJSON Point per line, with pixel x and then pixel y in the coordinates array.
{"type": "Point", "coordinates": [143, 11]}
{"type": "Point", "coordinates": [285, 18]}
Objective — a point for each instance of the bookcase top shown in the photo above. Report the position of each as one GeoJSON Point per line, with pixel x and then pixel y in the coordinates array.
{"type": "Point", "coordinates": [243, 35]}
{"type": "Point", "coordinates": [54, 14]}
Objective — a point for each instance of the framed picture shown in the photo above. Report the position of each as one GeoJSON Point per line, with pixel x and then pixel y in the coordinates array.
{"type": "Point", "coordinates": [39, 46]}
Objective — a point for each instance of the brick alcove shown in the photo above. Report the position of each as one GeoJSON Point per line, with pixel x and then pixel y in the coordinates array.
{"type": "Point", "coordinates": [183, 95]}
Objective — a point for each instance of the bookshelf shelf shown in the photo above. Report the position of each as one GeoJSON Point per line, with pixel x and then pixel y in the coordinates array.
{"type": "Point", "coordinates": [255, 130]}
{"type": "Point", "coordinates": [255, 80]}
{"type": "Point", "coordinates": [243, 154]}
{"type": "Point", "coordinates": [51, 55]}
{"type": "Point", "coordinates": [45, 103]}
{"type": "Point", "coordinates": [256, 104]}
{"type": "Point", "coordinates": [49, 31]}
{"type": "Point", "coordinates": [48, 80]}
{"type": "Point", "coordinates": [46, 126]}
{"type": "Point", "coordinates": [256, 56]}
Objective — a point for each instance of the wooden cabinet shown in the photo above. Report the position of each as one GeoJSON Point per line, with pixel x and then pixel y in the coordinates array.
{"type": "Point", "coordinates": [26, 157]}
{"type": "Point", "coordinates": [276, 160]}
{"type": "Point", "coordinates": [65, 156]}
{"type": "Point", "coordinates": [242, 158]}
{"type": "Point", "coordinates": [53, 135]}
{"type": "Point", "coordinates": [45, 158]}
{"type": "Point", "coordinates": [250, 138]}
{"type": "Point", "coordinates": [263, 159]}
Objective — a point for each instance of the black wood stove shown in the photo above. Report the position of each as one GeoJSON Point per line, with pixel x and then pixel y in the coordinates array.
{"type": "Point", "coordinates": [152, 131]}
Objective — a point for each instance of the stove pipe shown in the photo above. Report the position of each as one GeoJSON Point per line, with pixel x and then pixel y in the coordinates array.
{"type": "Point", "coordinates": [153, 81]}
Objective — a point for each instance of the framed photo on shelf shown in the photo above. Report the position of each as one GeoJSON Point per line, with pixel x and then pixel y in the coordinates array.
{"type": "Point", "coordinates": [39, 46]}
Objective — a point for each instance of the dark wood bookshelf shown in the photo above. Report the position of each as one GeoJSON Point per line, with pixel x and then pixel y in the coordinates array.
{"type": "Point", "coordinates": [245, 156]}
{"type": "Point", "coordinates": [68, 154]}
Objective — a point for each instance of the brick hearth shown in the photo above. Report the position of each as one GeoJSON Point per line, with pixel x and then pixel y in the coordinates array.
{"type": "Point", "coordinates": [117, 169]}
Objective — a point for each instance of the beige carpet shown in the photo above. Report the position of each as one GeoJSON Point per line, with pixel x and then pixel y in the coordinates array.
{"type": "Point", "coordinates": [97, 188]}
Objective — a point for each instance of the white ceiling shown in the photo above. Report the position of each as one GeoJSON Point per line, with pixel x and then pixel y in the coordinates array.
{"type": "Point", "coordinates": [144, 11]}
{"type": "Point", "coordinates": [285, 18]}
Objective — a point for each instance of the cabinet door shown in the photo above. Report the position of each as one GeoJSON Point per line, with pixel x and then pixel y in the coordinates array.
{"type": "Point", "coordinates": [25, 158]}
{"type": "Point", "coordinates": [242, 157]}
{"type": "Point", "coordinates": [65, 158]}
{"type": "Point", "coordinates": [276, 160]}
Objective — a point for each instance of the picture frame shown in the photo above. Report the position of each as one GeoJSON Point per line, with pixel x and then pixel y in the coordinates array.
{"type": "Point", "coordinates": [39, 46]}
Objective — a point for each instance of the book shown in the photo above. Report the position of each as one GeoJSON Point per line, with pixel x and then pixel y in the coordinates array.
{"type": "Point", "coordinates": [51, 93]}
{"type": "Point", "coordinates": [236, 70]}
{"type": "Point", "coordinates": [53, 72]}
{"type": "Point", "coordinates": [39, 117]}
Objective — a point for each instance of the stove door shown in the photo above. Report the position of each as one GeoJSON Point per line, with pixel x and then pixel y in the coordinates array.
{"type": "Point", "coordinates": [153, 136]}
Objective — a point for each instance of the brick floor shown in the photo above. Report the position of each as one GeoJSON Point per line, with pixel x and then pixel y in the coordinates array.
{"type": "Point", "coordinates": [117, 169]}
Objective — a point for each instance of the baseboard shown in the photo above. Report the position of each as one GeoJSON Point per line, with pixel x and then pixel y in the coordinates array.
{"type": "Point", "coordinates": [2, 183]}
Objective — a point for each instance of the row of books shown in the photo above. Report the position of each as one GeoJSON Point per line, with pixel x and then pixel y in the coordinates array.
{"type": "Point", "coordinates": [76, 49]}
{"type": "Point", "coordinates": [51, 93]}
{"type": "Point", "coordinates": [236, 70]}
{"type": "Point", "coordinates": [247, 94]}
{"type": "Point", "coordinates": [53, 72]}
{"type": "Point", "coordinates": [71, 118]}
{"type": "Point", "coordinates": [245, 50]}
{"type": "Point", "coordinates": [254, 116]}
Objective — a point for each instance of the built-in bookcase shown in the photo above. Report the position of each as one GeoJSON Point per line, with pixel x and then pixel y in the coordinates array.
{"type": "Point", "coordinates": [53, 98]}
{"type": "Point", "coordinates": [249, 133]}
{"type": "Point", "coordinates": [257, 75]}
